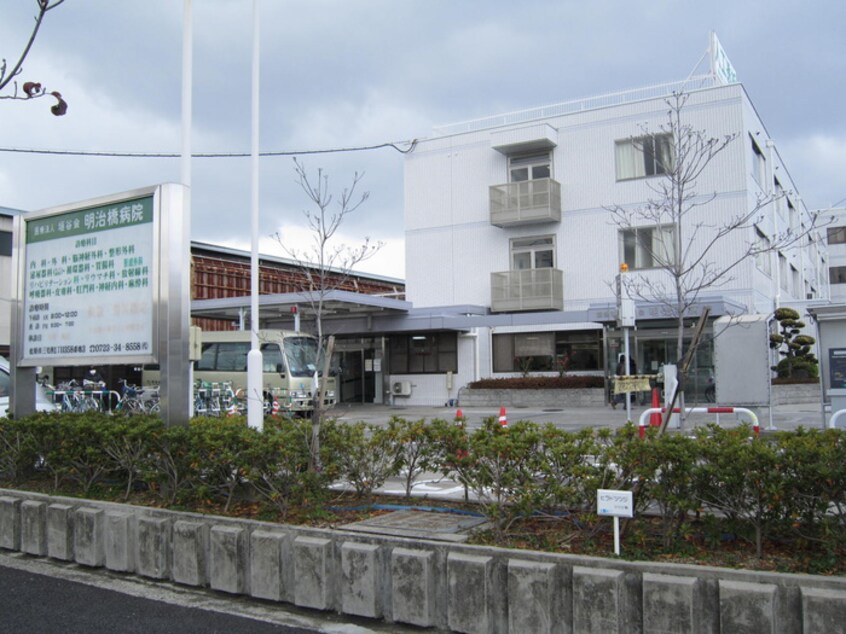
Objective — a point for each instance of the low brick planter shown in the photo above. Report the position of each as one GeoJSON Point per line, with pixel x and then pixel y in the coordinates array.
{"type": "Point", "coordinates": [425, 583]}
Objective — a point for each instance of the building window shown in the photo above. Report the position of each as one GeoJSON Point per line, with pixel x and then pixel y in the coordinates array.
{"type": "Point", "coordinates": [6, 243]}
{"type": "Point", "coordinates": [780, 198]}
{"type": "Point", "coordinates": [759, 164]}
{"type": "Point", "coordinates": [533, 253]}
{"type": "Point", "coordinates": [762, 256]}
{"type": "Point", "coordinates": [837, 235]}
{"type": "Point", "coordinates": [644, 156]}
{"type": "Point", "coordinates": [647, 247]}
{"type": "Point", "coordinates": [782, 272]}
{"type": "Point", "coordinates": [429, 353]}
{"type": "Point", "coordinates": [837, 274]}
{"type": "Point", "coordinates": [529, 167]}
{"type": "Point", "coordinates": [795, 281]}
{"type": "Point", "coordinates": [792, 217]}
{"type": "Point", "coordinates": [569, 350]}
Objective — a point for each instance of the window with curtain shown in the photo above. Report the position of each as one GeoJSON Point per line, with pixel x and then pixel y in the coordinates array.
{"type": "Point", "coordinates": [644, 156]}
{"type": "Point", "coordinates": [429, 353]}
{"type": "Point", "coordinates": [762, 257]}
{"type": "Point", "coordinates": [533, 253]}
{"type": "Point", "coordinates": [784, 280]}
{"type": "Point", "coordinates": [837, 274]}
{"type": "Point", "coordinates": [837, 235]}
{"type": "Point", "coordinates": [574, 350]}
{"type": "Point", "coordinates": [759, 164]}
{"type": "Point", "coordinates": [795, 281]}
{"type": "Point", "coordinates": [647, 247]}
{"type": "Point", "coordinates": [529, 167]}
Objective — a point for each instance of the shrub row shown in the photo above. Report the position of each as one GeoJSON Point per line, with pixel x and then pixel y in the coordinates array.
{"type": "Point", "coordinates": [792, 483]}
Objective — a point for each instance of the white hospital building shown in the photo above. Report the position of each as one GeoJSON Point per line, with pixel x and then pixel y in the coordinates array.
{"type": "Point", "coordinates": [508, 227]}
{"type": "Point", "coordinates": [512, 250]}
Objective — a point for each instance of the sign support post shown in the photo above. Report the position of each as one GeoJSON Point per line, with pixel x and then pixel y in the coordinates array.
{"type": "Point", "coordinates": [616, 504]}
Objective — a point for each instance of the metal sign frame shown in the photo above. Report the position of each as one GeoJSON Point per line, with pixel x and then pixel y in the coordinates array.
{"type": "Point", "coordinates": [55, 274]}
{"type": "Point", "coordinates": [166, 292]}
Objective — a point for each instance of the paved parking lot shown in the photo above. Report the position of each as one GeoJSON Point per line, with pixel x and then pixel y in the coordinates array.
{"type": "Point", "coordinates": [432, 487]}
{"type": "Point", "coordinates": [784, 417]}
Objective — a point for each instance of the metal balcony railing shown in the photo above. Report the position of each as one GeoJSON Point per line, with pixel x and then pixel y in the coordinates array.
{"type": "Point", "coordinates": [525, 202]}
{"type": "Point", "coordinates": [527, 289]}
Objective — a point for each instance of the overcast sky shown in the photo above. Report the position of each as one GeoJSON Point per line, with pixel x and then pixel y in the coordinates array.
{"type": "Point", "coordinates": [346, 73]}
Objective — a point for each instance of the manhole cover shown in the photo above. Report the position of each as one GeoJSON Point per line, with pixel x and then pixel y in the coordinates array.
{"type": "Point", "coordinates": [422, 524]}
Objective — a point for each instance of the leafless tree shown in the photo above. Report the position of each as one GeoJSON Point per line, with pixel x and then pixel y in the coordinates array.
{"type": "Point", "coordinates": [687, 255]}
{"type": "Point", "coordinates": [31, 89]}
{"type": "Point", "coordinates": [325, 266]}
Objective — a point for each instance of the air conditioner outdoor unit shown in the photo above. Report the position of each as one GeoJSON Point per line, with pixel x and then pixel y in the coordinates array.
{"type": "Point", "coordinates": [401, 388]}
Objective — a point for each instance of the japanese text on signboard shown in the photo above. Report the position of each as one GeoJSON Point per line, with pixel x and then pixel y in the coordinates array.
{"type": "Point", "coordinates": [88, 282]}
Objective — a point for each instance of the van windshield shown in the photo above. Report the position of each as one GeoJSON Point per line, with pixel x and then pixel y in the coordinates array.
{"type": "Point", "coordinates": [301, 353]}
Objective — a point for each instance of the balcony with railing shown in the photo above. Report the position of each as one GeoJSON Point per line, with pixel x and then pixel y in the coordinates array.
{"type": "Point", "coordinates": [525, 202]}
{"type": "Point", "coordinates": [527, 289]}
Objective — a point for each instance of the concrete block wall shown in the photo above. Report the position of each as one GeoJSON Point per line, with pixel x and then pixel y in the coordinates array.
{"type": "Point", "coordinates": [440, 585]}
{"type": "Point", "coordinates": [796, 393]}
{"type": "Point", "coordinates": [582, 397]}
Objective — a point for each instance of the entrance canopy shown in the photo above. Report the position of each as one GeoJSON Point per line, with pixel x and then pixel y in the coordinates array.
{"type": "Point", "coordinates": [356, 314]}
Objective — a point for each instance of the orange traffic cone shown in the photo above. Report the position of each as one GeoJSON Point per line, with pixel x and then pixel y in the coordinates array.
{"type": "Point", "coordinates": [274, 410]}
{"type": "Point", "coordinates": [459, 416]}
{"type": "Point", "coordinates": [503, 420]}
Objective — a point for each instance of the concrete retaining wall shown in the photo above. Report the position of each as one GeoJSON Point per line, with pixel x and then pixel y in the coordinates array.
{"type": "Point", "coordinates": [584, 397]}
{"type": "Point", "coordinates": [595, 397]}
{"type": "Point", "coordinates": [425, 583]}
{"type": "Point", "coordinates": [796, 393]}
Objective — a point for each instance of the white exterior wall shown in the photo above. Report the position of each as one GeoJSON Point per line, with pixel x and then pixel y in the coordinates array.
{"type": "Point", "coordinates": [434, 389]}
{"type": "Point", "coordinates": [447, 203]}
{"type": "Point", "coordinates": [452, 248]}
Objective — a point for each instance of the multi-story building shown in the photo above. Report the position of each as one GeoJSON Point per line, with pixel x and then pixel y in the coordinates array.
{"type": "Point", "coordinates": [7, 217]}
{"type": "Point", "coordinates": [836, 241]}
{"type": "Point", "coordinates": [513, 251]}
{"type": "Point", "coordinates": [515, 211]}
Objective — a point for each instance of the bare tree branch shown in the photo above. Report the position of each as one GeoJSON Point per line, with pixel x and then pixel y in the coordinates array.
{"type": "Point", "coordinates": [326, 266]}
{"type": "Point", "coordinates": [688, 258]}
{"type": "Point", "coordinates": [31, 89]}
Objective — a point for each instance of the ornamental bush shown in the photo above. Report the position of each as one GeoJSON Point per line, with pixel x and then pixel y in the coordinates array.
{"type": "Point", "coordinates": [795, 348]}
{"type": "Point", "coordinates": [791, 485]}
{"type": "Point", "coordinates": [567, 382]}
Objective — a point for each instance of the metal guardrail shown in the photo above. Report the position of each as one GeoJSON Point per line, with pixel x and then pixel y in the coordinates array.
{"type": "Point", "coordinates": [832, 423]}
{"type": "Point", "coordinates": [527, 289]}
{"type": "Point", "coordinates": [577, 105]}
{"type": "Point", "coordinates": [699, 410]}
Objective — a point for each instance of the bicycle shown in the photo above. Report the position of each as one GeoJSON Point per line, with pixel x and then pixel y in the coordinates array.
{"type": "Point", "coordinates": [76, 399]}
{"type": "Point", "coordinates": [131, 401]}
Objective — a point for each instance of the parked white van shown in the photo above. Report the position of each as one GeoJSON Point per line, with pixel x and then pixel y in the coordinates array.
{"type": "Point", "coordinates": [290, 360]}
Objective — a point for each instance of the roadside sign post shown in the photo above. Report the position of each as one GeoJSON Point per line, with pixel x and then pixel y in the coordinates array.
{"type": "Point", "coordinates": [104, 281]}
{"type": "Point", "coordinates": [616, 504]}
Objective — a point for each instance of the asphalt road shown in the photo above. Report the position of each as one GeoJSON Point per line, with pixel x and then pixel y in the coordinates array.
{"type": "Point", "coordinates": [48, 597]}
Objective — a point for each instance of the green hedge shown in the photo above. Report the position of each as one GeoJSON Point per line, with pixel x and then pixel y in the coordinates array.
{"type": "Point", "coordinates": [791, 485]}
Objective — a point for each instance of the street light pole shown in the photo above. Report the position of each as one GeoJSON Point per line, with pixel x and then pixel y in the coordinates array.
{"type": "Point", "coordinates": [255, 397]}
{"type": "Point", "coordinates": [185, 159]}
